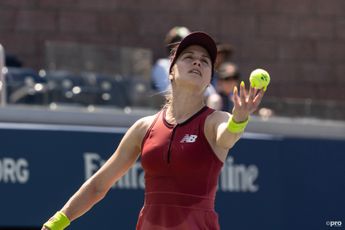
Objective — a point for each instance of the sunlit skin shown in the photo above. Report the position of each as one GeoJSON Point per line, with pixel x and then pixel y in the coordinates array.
{"type": "Point", "coordinates": [192, 70]}
{"type": "Point", "coordinates": [190, 76]}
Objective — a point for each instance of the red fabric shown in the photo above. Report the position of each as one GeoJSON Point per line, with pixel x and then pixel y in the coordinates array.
{"type": "Point", "coordinates": [181, 175]}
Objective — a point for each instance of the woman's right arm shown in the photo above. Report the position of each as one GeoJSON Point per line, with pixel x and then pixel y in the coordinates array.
{"type": "Point", "coordinates": [96, 187]}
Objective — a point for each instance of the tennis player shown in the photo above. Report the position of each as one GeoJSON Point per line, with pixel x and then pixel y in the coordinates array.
{"type": "Point", "coordinates": [182, 148]}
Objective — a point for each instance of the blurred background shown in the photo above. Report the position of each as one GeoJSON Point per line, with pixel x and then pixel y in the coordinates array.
{"type": "Point", "coordinates": [85, 67]}
{"type": "Point", "coordinates": [300, 44]}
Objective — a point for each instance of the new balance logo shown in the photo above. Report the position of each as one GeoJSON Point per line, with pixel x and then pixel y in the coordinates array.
{"type": "Point", "coordinates": [189, 138]}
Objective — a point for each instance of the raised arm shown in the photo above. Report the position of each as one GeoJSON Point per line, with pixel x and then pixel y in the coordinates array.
{"type": "Point", "coordinates": [96, 187]}
{"type": "Point", "coordinates": [220, 136]}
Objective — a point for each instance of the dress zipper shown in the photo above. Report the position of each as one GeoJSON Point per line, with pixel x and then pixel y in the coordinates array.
{"type": "Point", "coordinates": [170, 142]}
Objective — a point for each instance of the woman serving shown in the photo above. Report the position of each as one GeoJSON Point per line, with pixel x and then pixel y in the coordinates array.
{"type": "Point", "coordinates": [182, 148]}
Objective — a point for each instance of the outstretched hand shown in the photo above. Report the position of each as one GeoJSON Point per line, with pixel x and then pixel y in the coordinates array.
{"type": "Point", "coordinates": [246, 102]}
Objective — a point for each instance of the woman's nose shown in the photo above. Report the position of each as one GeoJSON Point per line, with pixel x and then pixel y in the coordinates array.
{"type": "Point", "coordinates": [197, 62]}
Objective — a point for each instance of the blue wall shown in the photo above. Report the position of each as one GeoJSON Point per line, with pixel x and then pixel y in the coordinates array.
{"type": "Point", "coordinates": [267, 183]}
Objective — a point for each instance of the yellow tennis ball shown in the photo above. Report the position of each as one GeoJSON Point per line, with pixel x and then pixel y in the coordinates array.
{"type": "Point", "coordinates": [259, 79]}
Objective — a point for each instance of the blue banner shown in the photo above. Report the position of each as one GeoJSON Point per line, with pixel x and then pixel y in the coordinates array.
{"type": "Point", "coordinates": [267, 182]}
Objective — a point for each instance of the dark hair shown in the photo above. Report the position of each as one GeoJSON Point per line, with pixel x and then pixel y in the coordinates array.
{"type": "Point", "coordinates": [168, 98]}
{"type": "Point", "coordinates": [173, 51]}
{"type": "Point", "coordinates": [174, 36]}
{"type": "Point", "coordinates": [168, 93]}
{"type": "Point", "coordinates": [226, 49]}
{"type": "Point", "coordinates": [228, 71]}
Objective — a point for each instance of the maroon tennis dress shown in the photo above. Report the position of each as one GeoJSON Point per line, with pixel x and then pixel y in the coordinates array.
{"type": "Point", "coordinates": [181, 175]}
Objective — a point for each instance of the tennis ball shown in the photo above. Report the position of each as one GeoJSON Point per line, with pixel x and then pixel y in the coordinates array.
{"type": "Point", "coordinates": [259, 79]}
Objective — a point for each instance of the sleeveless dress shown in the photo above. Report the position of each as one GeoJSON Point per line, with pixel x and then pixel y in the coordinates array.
{"type": "Point", "coordinates": [181, 176]}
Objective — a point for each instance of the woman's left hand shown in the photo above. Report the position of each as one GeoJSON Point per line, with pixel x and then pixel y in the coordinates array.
{"type": "Point", "coordinates": [246, 102]}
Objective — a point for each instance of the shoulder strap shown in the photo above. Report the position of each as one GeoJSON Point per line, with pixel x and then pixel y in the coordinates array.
{"type": "Point", "coordinates": [150, 128]}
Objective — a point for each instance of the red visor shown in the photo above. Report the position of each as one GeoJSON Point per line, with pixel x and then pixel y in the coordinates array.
{"type": "Point", "coordinates": [197, 38]}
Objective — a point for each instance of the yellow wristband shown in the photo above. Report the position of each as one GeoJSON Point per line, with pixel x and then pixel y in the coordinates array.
{"type": "Point", "coordinates": [58, 222]}
{"type": "Point", "coordinates": [234, 127]}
